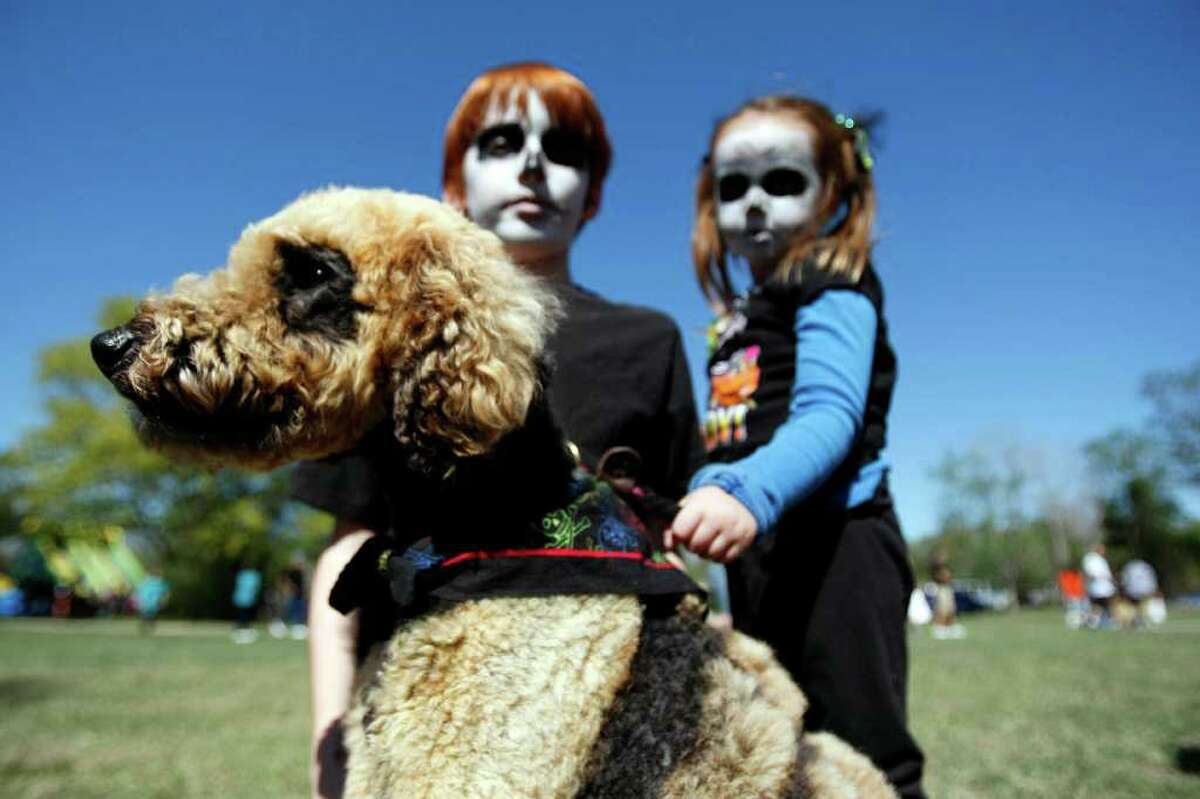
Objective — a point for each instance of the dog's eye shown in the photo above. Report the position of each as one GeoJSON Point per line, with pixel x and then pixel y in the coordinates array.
{"type": "Point", "coordinates": [306, 267]}
{"type": "Point", "coordinates": [316, 290]}
{"type": "Point", "coordinates": [309, 274]}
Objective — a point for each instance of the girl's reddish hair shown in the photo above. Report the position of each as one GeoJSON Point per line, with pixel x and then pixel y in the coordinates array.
{"type": "Point", "coordinates": [847, 189]}
{"type": "Point", "coordinates": [570, 103]}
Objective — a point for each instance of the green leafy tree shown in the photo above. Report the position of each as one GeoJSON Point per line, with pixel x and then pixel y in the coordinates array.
{"type": "Point", "coordinates": [1140, 517]}
{"type": "Point", "coordinates": [1003, 521]}
{"type": "Point", "coordinates": [1175, 395]}
{"type": "Point", "coordinates": [983, 507]}
{"type": "Point", "coordinates": [84, 471]}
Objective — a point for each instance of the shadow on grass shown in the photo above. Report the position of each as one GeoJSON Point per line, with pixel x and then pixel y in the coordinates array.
{"type": "Point", "coordinates": [11, 770]}
{"type": "Point", "coordinates": [1187, 759]}
{"type": "Point", "coordinates": [15, 691]}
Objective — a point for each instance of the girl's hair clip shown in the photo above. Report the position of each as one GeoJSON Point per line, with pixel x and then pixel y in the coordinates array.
{"type": "Point", "coordinates": [862, 145]}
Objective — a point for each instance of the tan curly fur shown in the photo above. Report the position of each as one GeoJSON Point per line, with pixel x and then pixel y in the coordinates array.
{"type": "Point", "coordinates": [507, 697]}
{"type": "Point", "coordinates": [449, 328]}
{"type": "Point", "coordinates": [559, 696]}
{"type": "Point", "coordinates": [461, 697]}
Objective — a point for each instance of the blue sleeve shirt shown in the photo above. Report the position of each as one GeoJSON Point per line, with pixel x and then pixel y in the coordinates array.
{"type": "Point", "coordinates": [835, 345]}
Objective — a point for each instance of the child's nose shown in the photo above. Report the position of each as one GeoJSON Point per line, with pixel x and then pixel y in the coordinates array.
{"type": "Point", "coordinates": [534, 162]}
{"type": "Point", "coordinates": [756, 199]}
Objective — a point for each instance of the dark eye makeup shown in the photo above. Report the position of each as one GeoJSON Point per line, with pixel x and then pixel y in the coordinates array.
{"type": "Point", "coordinates": [779, 182]}
{"type": "Point", "coordinates": [559, 146]}
{"type": "Point", "coordinates": [784, 182]}
{"type": "Point", "coordinates": [732, 187]}
{"type": "Point", "coordinates": [564, 148]}
{"type": "Point", "coordinates": [500, 140]}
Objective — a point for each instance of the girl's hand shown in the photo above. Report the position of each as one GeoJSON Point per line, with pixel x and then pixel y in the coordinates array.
{"type": "Point", "coordinates": [712, 524]}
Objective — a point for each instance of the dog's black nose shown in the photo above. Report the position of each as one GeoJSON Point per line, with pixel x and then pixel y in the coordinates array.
{"type": "Point", "coordinates": [110, 347]}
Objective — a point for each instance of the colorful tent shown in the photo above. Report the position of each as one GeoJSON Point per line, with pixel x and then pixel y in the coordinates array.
{"type": "Point", "coordinates": [95, 569]}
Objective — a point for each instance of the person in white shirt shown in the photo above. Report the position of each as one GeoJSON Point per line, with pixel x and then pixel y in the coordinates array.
{"type": "Point", "coordinates": [1138, 580]}
{"type": "Point", "coordinates": [1101, 588]}
{"type": "Point", "coordinates": [1139, 583]}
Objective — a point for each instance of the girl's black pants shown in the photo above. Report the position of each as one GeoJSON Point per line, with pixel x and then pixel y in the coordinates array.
{"type": "Point", "coordinates": [829, 592]}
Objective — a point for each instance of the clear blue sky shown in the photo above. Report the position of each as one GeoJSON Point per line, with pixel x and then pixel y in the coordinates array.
{"type": "Point", "coordinates": [1038, 174]}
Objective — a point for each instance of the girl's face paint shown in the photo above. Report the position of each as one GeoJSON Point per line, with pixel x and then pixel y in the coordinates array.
{"type": "Point", "coordinates": [767, 187]}
{"type": "Point", "coordinates": [525, 179]}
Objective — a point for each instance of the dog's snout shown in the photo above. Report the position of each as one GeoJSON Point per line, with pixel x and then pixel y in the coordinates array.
{"type": "Point", "coordinates": [110, 348]}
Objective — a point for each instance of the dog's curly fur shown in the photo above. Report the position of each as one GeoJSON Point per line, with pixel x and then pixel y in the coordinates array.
{"type": "Point", "coordinates": [447, 334]}
{"type": "Point", "coordinates": [350, 306]}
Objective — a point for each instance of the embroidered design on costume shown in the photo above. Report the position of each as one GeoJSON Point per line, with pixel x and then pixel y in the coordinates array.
{"type": "Point", "coordinates": [595, 519]}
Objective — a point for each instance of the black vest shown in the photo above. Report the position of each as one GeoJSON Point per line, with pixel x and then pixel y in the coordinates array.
{"type": "Point", "coordinates": [752, 367]}
{"type": "Point", "coordinates": [598, 542]}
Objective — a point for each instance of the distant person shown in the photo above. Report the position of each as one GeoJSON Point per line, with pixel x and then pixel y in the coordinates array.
{"type": "Point", "coordinates": [1139, 583]}
{"type": "Point", "coordinates": [1101, 587]}
{"type": "Point", "coordinates": [945, 607]}
{"type": "Point", "coordinates": [1074, 597]}
{"type": "Point", "coordinates": [795, 497]}
{"type": "Point", "coordinates": [151, 597]}
{"type": "Point", "coordinates": [295, 607]}
{"type": "Point", "coordinates": [246, 589]}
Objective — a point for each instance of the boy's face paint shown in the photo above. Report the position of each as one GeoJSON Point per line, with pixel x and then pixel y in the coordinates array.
{"type": "Point", "coordinates": [767, 186]}
{"type": "Point", "coordinates": [525, 179]}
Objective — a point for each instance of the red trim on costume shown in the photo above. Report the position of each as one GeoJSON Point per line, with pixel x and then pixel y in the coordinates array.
{"type": "Point", "coordinates": [485, 554]}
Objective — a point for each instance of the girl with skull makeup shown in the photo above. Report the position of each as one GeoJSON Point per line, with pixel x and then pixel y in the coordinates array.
{"type": "Point", "coordinates": [795, 495]}
{"type": "Point", "coordinates": [525, 156]}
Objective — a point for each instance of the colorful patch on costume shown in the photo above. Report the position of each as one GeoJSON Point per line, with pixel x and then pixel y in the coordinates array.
{"type": "Point", "coordinates": [733, 382]}
{"type": "Point", "coordinates": [725, 327]}
{"type": "Point", "coordinates": [595, 519]}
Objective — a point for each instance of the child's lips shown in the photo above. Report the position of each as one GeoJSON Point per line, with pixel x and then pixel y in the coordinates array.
{"type": "Point", "coordinates": [533, 206]}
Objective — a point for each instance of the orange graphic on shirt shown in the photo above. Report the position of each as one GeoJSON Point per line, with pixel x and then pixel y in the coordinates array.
{"type": "Point", "coordinates": [733, 383]}
{"type": "Point", "coordinates": [735, 380]}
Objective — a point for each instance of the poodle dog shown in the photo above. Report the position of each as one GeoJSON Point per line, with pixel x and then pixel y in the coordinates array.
{"type": "Point", "coordinates": [389, 323]}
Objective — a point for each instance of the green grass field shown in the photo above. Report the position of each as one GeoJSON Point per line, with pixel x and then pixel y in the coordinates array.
{"type": "Point", "coordinates": [1022, 707]}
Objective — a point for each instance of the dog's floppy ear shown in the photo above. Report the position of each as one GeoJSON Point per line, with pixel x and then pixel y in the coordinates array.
{"type": "Point", "coordinates": [472, 330]}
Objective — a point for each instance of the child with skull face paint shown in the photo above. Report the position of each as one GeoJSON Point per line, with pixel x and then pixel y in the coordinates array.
{"type": "Point", "coordinates": [525, 156]}
{"type": "Point", "coordinates": [795, 497]}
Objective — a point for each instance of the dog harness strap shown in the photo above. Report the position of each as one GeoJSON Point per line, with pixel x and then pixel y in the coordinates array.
{"type": "Point", "coordinates": [541, 572]}
{"type": "Point", "coordinates": [595, 544]}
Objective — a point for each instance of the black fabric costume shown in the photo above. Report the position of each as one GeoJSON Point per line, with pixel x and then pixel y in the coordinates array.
{"type": "Point", "coordinates": [828, 588]}
{"type": "Point", "coordinates": [588, 540]}
{"type": "Point", "coordinates": [619, 378]}
{"type": "Point", "coordinates": [769, 314]}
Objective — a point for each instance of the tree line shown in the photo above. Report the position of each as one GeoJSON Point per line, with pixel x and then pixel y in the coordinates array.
{"type": "Point", "coordinates": [1004, 522]}
{"type": "Point", "coordinates": [82, 473]}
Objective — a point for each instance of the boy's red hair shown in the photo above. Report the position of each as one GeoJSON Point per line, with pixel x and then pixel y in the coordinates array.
{"type": "Point", "coordinates": [567, 99]}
